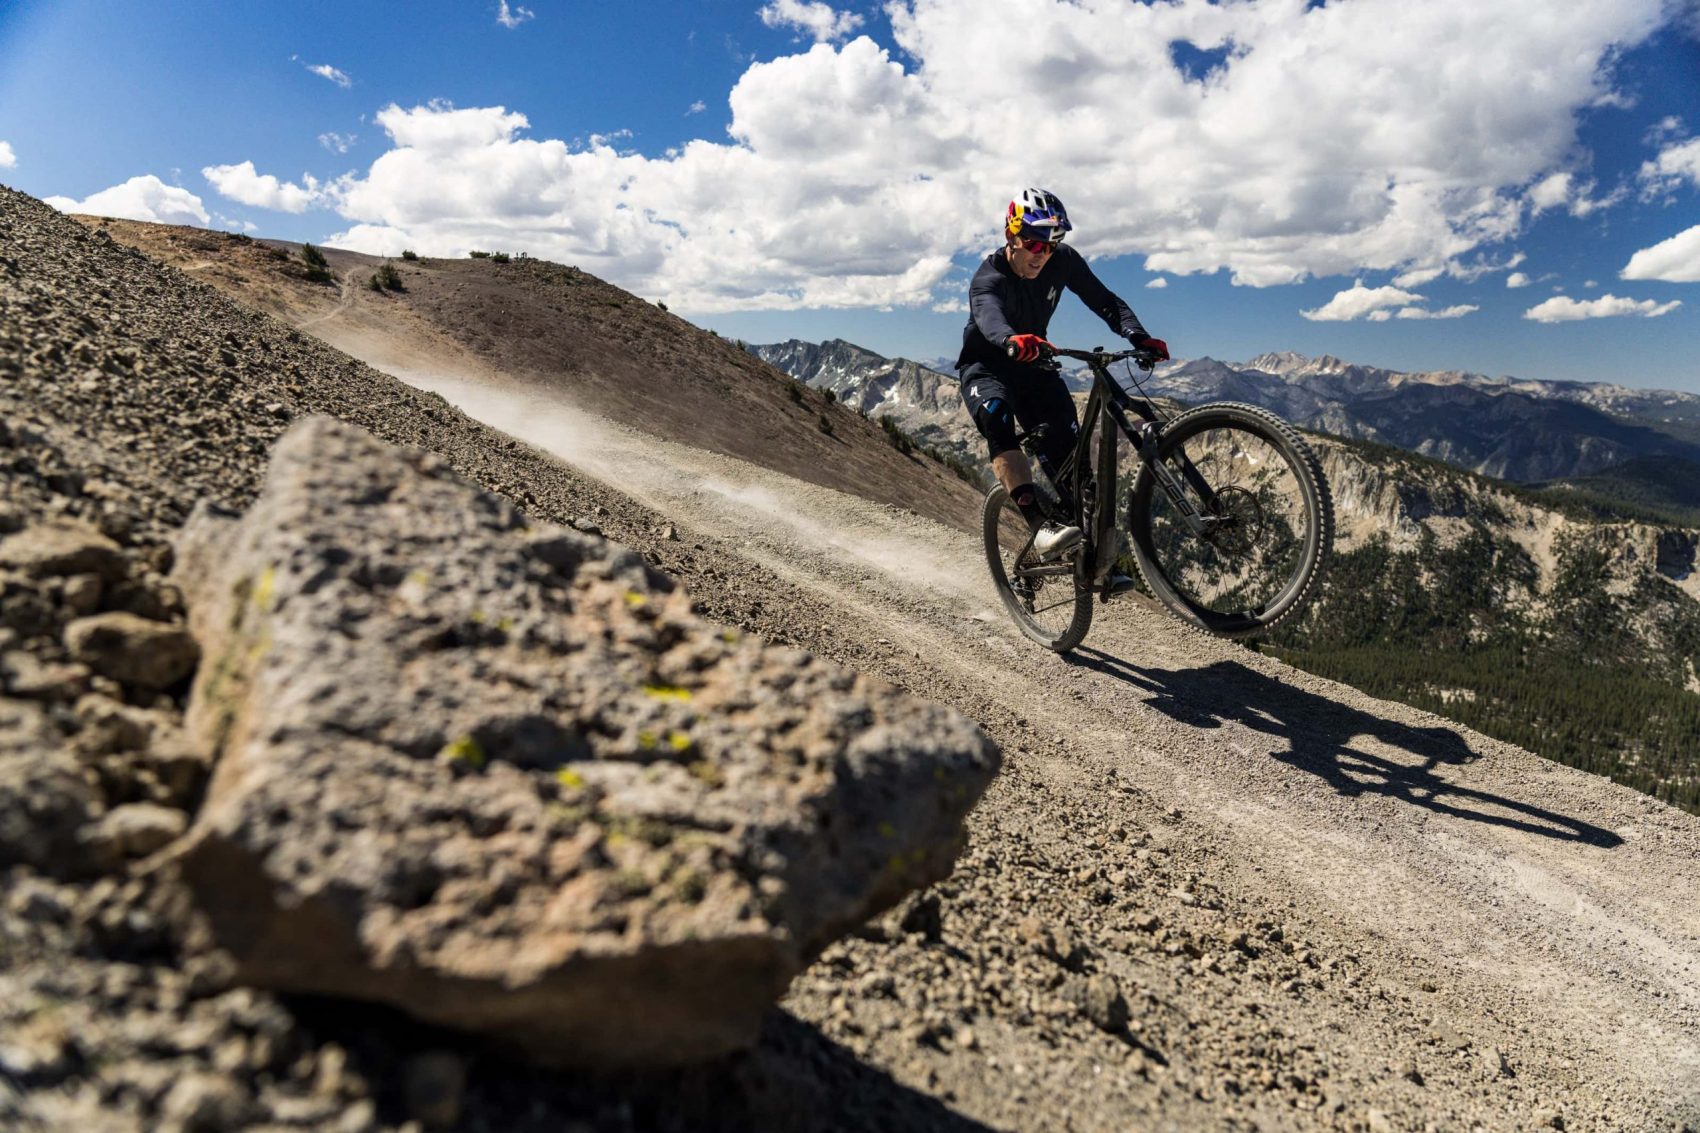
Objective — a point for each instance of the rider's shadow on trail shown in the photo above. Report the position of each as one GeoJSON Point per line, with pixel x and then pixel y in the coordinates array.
{"type": "Point", "coordinates": [1325, 738]}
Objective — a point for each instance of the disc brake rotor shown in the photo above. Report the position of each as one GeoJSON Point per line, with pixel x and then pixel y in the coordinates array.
{"type": "Point", "coordinates": [1240, 521]}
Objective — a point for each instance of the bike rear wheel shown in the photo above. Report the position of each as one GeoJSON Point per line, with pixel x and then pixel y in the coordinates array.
{"type": "Point", "coordinates": [1271, 520]}
{"type": "Point", "coordinates": [1044, 598]}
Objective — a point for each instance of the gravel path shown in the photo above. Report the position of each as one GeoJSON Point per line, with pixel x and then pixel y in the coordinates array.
{"type": "Point", "coordinates": [1207, 892]}
{"type": "Point", "coordinates": [1521, 937]}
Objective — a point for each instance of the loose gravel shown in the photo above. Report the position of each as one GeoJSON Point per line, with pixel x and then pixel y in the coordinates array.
{"type": "Point", "coordinates": [1206, 892]}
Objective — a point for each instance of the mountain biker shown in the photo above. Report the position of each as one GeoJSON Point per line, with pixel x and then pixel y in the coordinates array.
{"type": "Point", "coordinates": [1010, 303]}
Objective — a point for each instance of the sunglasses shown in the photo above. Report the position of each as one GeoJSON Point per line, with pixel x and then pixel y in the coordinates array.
{"type": "Point", "coordinates": [1037, 247]}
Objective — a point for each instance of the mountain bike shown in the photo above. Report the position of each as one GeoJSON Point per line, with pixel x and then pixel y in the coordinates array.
{"type": "Point", "coordinates": [1229, 514]}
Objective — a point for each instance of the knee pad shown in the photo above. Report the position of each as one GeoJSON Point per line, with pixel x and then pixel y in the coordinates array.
{"type": "Point", "coordinates": [997, 425]}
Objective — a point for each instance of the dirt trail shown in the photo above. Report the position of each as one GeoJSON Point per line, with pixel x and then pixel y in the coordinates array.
{"type": "Point", "coordinates": [1462, 902]}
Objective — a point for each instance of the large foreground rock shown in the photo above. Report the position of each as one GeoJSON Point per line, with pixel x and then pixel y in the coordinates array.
{"type": "Point", "coordinates": [503, 778]}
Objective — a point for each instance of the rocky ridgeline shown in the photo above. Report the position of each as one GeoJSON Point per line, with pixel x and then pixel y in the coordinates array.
{"type": "Point", "coordinates": [567, 794]}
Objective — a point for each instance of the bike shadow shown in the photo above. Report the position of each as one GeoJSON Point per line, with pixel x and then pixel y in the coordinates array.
{"type": "Point", "coordinates": [1326, 739]}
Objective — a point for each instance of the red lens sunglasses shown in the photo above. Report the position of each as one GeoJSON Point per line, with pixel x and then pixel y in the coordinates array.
{"type": "Point", "coordinates": [1038, 247]}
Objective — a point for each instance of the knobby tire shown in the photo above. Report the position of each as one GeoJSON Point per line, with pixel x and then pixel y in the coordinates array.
{"type": "Point", "coordinates": [1053, 610]}
{"type": "Point", "coordinates": [1267, 565]}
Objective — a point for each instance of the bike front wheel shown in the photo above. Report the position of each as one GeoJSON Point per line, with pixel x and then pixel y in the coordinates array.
{"type": "Point", "coordinates": [1044, 597]}
{"type": "Point", "coordinates": [1259, 493]}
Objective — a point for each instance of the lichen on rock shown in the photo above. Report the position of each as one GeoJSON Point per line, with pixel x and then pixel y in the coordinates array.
{"type": "Point", "coordinates": [504, 778]}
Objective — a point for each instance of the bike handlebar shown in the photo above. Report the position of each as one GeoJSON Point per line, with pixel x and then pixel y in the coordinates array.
{"type": "Point", "coordinates": [1142, 358]}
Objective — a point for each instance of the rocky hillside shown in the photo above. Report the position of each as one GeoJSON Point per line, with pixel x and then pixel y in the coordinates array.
{"type": "Point", "coordinates": [573, 338]}
{"type": "Point", "coordinates": [1205, 891]}
{"type": "Point", "coordinates": [556, 808]}
{"type": "Point", "coordinates": [1575, 637]}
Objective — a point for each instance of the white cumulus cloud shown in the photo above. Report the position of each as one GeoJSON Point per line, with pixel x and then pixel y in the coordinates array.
{"type": "Point", "coordinates": [1455, 312]}
{"type": "Point", "coordinates": [1516, 279]}
{"type": "Point", "coordinates": [1565, 190]}
{"type": "Point", "coordinates": [337, 143]}
{"type": "Point", "coordinates": [246, 185]}
{"type": "Point", "coordinates": [7, 157]}
{"type": "Point", "coordinates": [812, 16]}
{"type": "Point", "coordinates": [1416, 277]}
{"type": "Point", "coordinates": [1360, 302]}
{"type": "Point", "coordinates": [1563, 309]}
{"type": "Point", "coordinates": [514, 16]}
{"type": "Point", "coordinates": [140, 198]}
{"type": "Point", "coordinates": [1321, 146]}
{"type": "Point", "coordinates": [1675, 164]}
{"type": "Point", "coordinates": [1676, 260]}
{"type": "Point", "coordinates": [326, 71]}
{"type": "Point", "coordinates": [1160, 282]}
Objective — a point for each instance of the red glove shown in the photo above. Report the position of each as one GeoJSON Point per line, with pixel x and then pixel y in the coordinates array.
{"type": "Point", "coordinates": [1156, 347]}
{"type": "Point", "coordinates": [1026, 347]}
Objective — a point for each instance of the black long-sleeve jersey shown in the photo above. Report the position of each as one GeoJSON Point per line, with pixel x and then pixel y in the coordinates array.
{"type": "Point", "coordinates": [1002, 304]}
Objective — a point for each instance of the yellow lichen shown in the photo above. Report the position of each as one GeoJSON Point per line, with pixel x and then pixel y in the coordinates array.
{"type": "Point", "coordinates": [465, 751]}
{"type": "Point", "coordinates": [567, 777]}
{"type": "Point", "coordinates": [266, 589]}
{"type": "Point", "coordinates": [678, 741]}
{"type": "Point", "coordinates": [667, 692]}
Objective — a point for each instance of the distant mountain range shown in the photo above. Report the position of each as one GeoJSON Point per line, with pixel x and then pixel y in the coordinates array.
{"type": "Point", "coordinates": [920, 400]}
{"type": "Point", "coordinates": [1505, 428]}
{"type": "Point", "coordinates": [1640, 444]}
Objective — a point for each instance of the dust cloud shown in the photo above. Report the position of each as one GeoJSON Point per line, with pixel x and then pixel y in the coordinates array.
{"type": "Point", "coordinates": [721, 495]}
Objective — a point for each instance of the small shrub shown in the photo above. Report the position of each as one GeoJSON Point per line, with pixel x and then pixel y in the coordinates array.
{"type": "Point", "coordinates": [409, 254]}
{"type": "Point", "coordinates": [825, 425]}
{"type": "Point", "coordinates": [387, 278]}
{"type": "Point", "coordinates": [796, 392]}
{"type": "Point", "coordinates": [477, 255]}
{"type": "Point", "coordinates": [829, 395]}
{"type": "Point", "coordinates": [900, 440]}
{"type": "Point", "coordinates": [318, 270]}
{"type": "Point", "coordinates": [373, 283]}
{"type": "Point", "coordinates": [660, 304]}
{"type": "Point", "coordinates": [499, 257]}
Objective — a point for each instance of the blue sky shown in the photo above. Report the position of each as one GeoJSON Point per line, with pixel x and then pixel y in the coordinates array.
{"type": "Point", "coordinates": [1397, 184]}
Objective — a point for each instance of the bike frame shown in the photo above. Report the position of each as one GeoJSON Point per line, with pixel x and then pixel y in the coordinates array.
{"type": "Point", "coordinates": [1106, 413]}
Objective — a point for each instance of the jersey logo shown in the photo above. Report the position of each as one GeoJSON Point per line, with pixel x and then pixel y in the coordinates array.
{"type": "Point", "coordinates": [1052, 297]}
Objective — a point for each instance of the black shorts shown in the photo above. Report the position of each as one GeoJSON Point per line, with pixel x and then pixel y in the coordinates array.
{"type": "Point", "coordinates": [997, 404]}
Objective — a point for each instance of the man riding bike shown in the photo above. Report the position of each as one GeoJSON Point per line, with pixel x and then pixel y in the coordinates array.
{"type": "Point", "coordinates": [1010, 303]}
